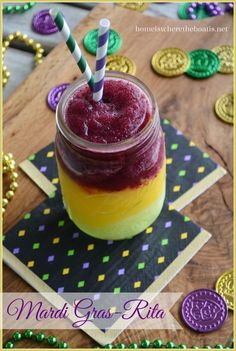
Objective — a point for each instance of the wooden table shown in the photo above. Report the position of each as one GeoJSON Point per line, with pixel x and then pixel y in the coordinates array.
{"type": "Point", "coordinates": [29, 125]}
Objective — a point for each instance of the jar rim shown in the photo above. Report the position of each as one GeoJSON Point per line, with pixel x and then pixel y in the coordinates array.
{"type": "Point", "coordinates": [122, 145]}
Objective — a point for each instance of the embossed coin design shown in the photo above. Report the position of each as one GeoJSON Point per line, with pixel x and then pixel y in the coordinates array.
{"type": "Point", "coordinates": [55, 95]}
{"type": "Point", "coordinates": [170, 62]}
{"type": "Point", "coordinates": [225, 287]}
{"type": "Point", "coordinates": [91, 42]}
{"type": "Point", "coordinates": [121, 63]}
{"type": "Point", "coordinates": [226, 57]}
{"type": "Point", "coordinates": [224, 108]}
{"type": "Point", "coordinates": [203, 63]}
{"type": "Point", "coordinates": [137, 6]}
{"type": "Point", "coordinates": [204, 310]}
{"type": "Point", "coordinates": [43, 23]}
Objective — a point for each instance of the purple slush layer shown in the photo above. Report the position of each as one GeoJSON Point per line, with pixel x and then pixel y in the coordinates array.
{"type": "Point", "coordinates": [124, 112]}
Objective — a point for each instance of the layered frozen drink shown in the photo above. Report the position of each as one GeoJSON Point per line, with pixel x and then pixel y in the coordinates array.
{"type": "Point", "coordinates": [111, 157]}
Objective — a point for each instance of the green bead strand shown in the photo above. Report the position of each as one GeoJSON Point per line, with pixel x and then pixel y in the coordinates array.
{"type": "Point", "coordinates": [133, 345]}
{"type": "Point", "coordinates": [40, 337]}
{"type": "Point", "coordinates": [7, 9]}
{"type": "Point", "coordinates": [9, 345]}
{"type": "Point", "coordinates": [63, 345]}
{"type": "Point", "coordinates": [157, 344]}
{"type": "Point", "coordinates": [25, 7]}
{"type": "Point", "coordinates": [52, 340]}
{"type": "Point", "coordinates": [145, 344]}
{"type": "Point", "coordinates": [28, 334]}
{"type": "Point", "coordinates": [17, 336]}
{"type": "Point", "coordinates": [17, 8]}
{"type": "Point", "coordinates": [170, 345]}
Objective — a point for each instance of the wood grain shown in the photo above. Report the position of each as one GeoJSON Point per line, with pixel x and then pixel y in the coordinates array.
{"type": "Point", "coordinates": [29, 125]}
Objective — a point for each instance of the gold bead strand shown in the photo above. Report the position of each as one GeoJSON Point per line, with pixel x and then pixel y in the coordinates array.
{"type": "Point", "coordinates": [37, 47]}
{"type": "Point", "coordinates": [8, 167]}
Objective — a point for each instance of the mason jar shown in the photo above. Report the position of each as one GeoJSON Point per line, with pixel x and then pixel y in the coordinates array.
{"type": "Point", "coordinates": [112, 191]}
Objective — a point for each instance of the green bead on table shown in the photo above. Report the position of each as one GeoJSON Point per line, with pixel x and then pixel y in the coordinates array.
{"type": "Point", "coordinates": [52, 340]}
{"type": "Point", "coordinates": [7, 9]}
{"type": "Point", "coordinates": [28, 334]}
{"type": "Point", "coordinates": [40, 337]}
{"type": "Point", "coordinates": [9, 345]}
{"type": "Point", "coordinates": [157, 344]}
{"type": "Point", "coordinates": [133, 345]}
{"type": "Point", "coordinates": [17, 336]}
{"type": "Point", "coordinates": [145, 344]}
{"type": "Point", "coordinates": [17, 8]}
{"type": "Point", "coordinates": [62, 345]}
{"type": "Point", "coordinates": [170, 345]}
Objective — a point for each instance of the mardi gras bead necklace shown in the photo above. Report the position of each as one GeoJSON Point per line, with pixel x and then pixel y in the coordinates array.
{"type": "Point", "coordinates": [37, 47]}
{"type": "Point", "coordinates": [145, 344]}
{"type": "Point", "coordinates": [8, 167]}
{"type": "Point", "coordinates": [39, 338]}
{"type": "Point", "coordinates": [17, 8]}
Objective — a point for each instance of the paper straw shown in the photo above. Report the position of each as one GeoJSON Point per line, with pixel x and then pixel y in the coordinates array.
{"type": "Point", "coordinates": [101, 54]}
{"type": "Point", "coordinates": [72, 46]}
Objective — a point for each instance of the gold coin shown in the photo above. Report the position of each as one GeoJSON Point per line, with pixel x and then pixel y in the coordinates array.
{"type": "Point", "coordinates": [224, 108]}
{"type": "Point", "coordinates": [225, 287]}
{"type": "Point", "coordinates": [120, 63]}
{"type": "Point", "coordinates": [226, 57]}
{"type": "Point", "coordinates": [137, 6]}
{"type": "Point", "coordinates": [170, 62]}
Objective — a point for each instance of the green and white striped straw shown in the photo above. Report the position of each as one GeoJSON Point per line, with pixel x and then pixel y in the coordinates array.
{"type": "Point", "coordinates": [72, 46]}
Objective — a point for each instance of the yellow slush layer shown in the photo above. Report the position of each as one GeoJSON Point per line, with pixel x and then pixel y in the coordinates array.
{"type": "Point", "coordinates": [125, 228]}
{"type": "Point", "coordinates": [116, 214]}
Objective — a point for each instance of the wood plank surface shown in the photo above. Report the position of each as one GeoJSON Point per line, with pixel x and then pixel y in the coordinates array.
{"type": "Point", "coordinates": [29, 125]}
